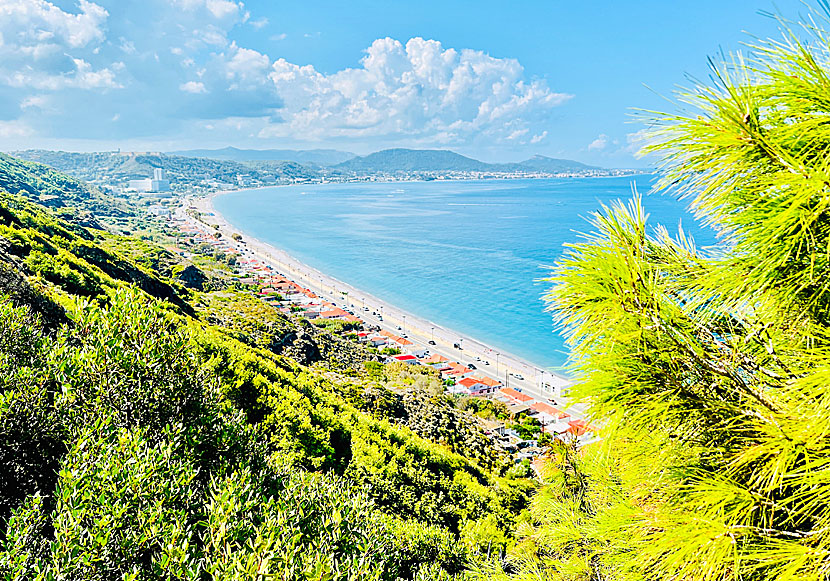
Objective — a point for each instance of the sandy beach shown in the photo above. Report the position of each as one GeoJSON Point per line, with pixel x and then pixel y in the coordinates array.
{"type": "Point", "coordinates": [510, 369]}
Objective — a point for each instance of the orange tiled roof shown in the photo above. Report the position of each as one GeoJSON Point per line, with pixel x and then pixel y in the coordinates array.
{"type": "Point", "coordinates": [544, 408]}
{"type": "Point", "coordinates": [513, 394]}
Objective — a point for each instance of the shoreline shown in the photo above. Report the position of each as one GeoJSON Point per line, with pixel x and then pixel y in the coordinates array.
{"type": "Point", "coordinates": [503, 365]}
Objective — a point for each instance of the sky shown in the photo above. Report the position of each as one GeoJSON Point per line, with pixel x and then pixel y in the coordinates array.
{"type": "Point", "coordinates": [496, 80]}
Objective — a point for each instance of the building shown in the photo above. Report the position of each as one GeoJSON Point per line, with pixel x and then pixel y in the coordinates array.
{"type": "Point", "coordinates": [157, 184]}
{"type": "Point", "coordinates": [157, 210]}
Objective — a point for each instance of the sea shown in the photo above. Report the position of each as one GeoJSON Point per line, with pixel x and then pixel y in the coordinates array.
{"type": "Point", "coordinates": [469, 255]}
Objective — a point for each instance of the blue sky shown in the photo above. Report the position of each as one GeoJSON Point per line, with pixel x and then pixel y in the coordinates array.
{"type": "Point", "coordinates": [496, 80]}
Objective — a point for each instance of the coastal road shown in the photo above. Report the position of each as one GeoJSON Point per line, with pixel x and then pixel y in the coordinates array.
{"type": "Point", "coordinates": [503, 366]}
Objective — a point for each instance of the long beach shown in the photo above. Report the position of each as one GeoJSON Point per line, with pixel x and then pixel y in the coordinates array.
{"type": "Point", "coordinates": [503, 365]}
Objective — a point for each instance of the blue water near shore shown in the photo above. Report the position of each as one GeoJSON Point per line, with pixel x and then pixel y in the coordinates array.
{"type": "Point", "coordinates": [467, 255]}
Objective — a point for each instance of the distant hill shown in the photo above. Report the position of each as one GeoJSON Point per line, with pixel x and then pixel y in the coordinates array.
{"type": "Point", "coordinates": [40, 182]}
{"type": "Point", "coordinates": [554, 165]}
{"type": "Point", "coordinates": [110, 167]}
{"type": "Point", "coordinates": [440, 160]}
{"type": "Point", "coordinates": [393, 160]}
{"type": "Point", "coordinates": [322, 157]}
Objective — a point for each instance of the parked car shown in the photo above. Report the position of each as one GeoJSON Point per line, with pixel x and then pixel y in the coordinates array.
{"type": "Point", "coordinates": [432, 342]}
{"type": "Point", "coordinates": [471, 366]}
{"type": "Point", "coordinates": [457, 346]}
{"type": "Point", "coordinates": [519, 377]}
{"type": "Point", "coordinates": [486, 362]}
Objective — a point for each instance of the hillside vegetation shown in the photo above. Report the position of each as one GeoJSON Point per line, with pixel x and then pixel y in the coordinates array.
{"type": "Point", "coordinates": [149, 430]}
{"type": "Point", "coordinates": [195, 172]}
{"type": "Point", "coordinates": [710, 368]}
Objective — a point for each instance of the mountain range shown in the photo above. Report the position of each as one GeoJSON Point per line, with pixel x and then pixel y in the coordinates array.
{"type": "Point", "coordinates": [390, 160]}
{"type": "Point", "coordinates": [321, 157]}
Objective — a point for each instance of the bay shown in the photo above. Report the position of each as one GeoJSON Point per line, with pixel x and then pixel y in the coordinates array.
{"type": "Point", "coordinates": [468, 255]}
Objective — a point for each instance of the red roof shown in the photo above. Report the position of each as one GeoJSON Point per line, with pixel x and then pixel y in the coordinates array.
{"type": "Point", "coordinates": [469, 382]}
{"type": "Point", "coordinates": [517, 395]}
{"type": "Point", "coordinates": [544, 408]}
{"type": "Point", "coordinates": [405, 357]}
{"type": "Point", "coordinates": [579, 427]}
{"type": "Point", "coordinates": [490, 382]}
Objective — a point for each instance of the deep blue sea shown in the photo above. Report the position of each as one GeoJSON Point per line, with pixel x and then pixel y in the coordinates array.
{"type": "Point", "coordinates": [467, 255]}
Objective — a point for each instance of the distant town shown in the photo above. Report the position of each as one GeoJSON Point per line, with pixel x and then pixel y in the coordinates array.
{"type": "Point", "coordinates": [193, 172]}
{"type": "Point", "coordinates": [479, 380]}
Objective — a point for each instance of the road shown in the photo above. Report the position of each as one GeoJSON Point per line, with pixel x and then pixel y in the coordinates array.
{"type": "Point", "coordinates": [502, 366]}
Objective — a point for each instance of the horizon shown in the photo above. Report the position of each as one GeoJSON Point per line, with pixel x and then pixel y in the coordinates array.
{"type": "Point", "coordinates": [208, 74]}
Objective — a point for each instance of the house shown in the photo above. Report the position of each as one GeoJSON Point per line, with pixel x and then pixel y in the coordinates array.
{"type": "Point", "coordinates": [410, 359]}
{"type": "Point", "coordinates": [579, 427]}
{"type": "Point", "coordinates": [457, 372]}
{"type": "Point", "coordinates": [416, 351]}
{"type": "Point", "coordinates": [515, 395]}
{"type": "Point", "coordinates": [547, 414]}
{"type": "Point", "coordinates": [490, 382]}
{"type": "Point", "coordinates": [469, 386]}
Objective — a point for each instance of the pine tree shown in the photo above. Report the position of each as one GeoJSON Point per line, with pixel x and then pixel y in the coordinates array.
{"type": "Point", "coordinates": [708, 369]}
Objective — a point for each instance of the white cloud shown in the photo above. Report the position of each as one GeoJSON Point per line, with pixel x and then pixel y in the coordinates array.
{"type": "Point", "coordinates": [14, 129]}
{"type": "Point", "coordinates": [36, 101]}
{"type": "Point", "coordinates": [37, 26]}
{"type": "Point", "coordinates": [219, 9]}
{"type": "Point", "coordinates": [259, 23]}
{"type": "Point", "coordinates": [82, 77]}
{"type": "Point", "coordinates": [417, 90]}
{"type": "Point", "coordinates": [40, 44]}
{"type": "Point", "coordinates": [600, 143]}
{"type": "Point", "coordinates": [245, 67]}
{"type": "Point", "coordinates": [193, 87]}
{"type": "Point", "coordinates": [278, 37]}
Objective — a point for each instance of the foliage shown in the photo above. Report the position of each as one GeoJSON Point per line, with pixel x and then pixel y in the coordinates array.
{"type": "Point", "coordinates": [708, 370]}
{"type": "Point", "coordinates": [527, 427]}
{"type": "Point", "coordinates": [182, 438]}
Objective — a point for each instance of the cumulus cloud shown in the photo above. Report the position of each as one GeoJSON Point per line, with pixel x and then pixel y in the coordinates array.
{"type": "Point", "coordinates": [194, 87]}
{"type": "Point", "coordinates": [171, 65]}
{"type": "Point", "coordinates": [600, 143]}
{"type": "Point", "coordinates": [82, 76]}
{"type": "Point", "coordinates": [420, 90]}
{"type": "Point", "coordinates": [40, 41]}
{"type": "Point", "coordinates": [219, 9]}
{"type": "Point", "coordinates": [14, 128]}
{"type": "Point", "coordinates": [37, 27]}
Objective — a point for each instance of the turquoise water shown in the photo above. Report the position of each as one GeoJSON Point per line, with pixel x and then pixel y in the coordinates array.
{"type": "Point", "coordinates": [467, 255]}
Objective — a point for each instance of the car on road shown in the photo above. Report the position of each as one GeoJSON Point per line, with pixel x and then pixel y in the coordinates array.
{"type": "Point", "coordinates": [399, 329]}
{"type": "Point", "coordinates": [380, 318]}
{"type": "Point", "coordinates": [486, 362]}
{"type": "Point", "coordinates": [457, 346]}
{"type": "Point", "coordinates": [519, 377]}
{"type": "Point", "coordinates": [432, 342]}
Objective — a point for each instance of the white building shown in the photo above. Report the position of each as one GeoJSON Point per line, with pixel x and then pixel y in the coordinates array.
{"type": "Point", "coordinates": [158, 183]}
{"type": "Point", "coordinates": [157, 210]}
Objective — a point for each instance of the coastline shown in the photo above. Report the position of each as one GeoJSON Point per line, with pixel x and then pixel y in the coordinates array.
{"type": "Point", "coordinates": [502, 364]}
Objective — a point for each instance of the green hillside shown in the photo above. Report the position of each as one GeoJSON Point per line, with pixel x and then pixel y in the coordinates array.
{"type": "Point", "coordinates": [320, 157]}
{"type": "Point", "coordinates": [150, 430]}
{"type": "Point", "coordinates": [108, 168]}
{"type": "Point", "coordinates": [441, 160]}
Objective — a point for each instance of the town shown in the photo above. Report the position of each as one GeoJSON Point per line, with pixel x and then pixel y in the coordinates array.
{"type": "Point", "coordinates": [360, 323]}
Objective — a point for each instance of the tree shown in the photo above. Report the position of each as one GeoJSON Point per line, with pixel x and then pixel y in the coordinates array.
{"type": "Point", "coordinates": [708, 370]}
